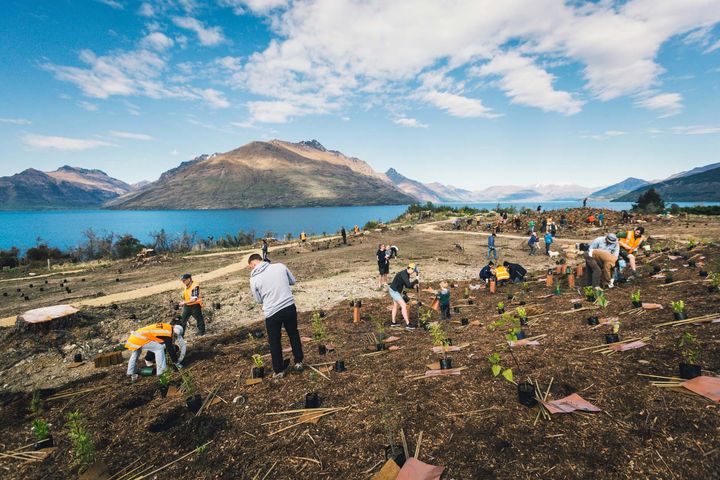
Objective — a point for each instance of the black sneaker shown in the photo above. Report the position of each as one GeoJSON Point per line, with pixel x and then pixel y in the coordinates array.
{"type": "Point", "coordinates": [410, 327]}
{"type": "Point", "coordinates": [395, 325]}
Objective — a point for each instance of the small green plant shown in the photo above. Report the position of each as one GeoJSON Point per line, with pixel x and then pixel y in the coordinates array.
{"type": "Point", "coordinates": [522, 313]}
{"type": "Point", "coordinates": [525, 286]}
{"type": "Point", "coordinates": [188, 384]}
{"type": "Point", "coordinates": [558, 289]}
{"type": "Point", "coordinates": [501, 306]}
{"type": "Point", "coordinates": [378, 326]}
{"type": "Point", "coordinates": [616, 327]}
{"type": "Point", "coordinates": [635, 296]}
{"type": "Point", "coordinates": [318, 328]}
{"type": "Point", "coordinates": [165, 378]}
{"type": "Point", "coordinates": [497, 368]}
{"type": "Point", "coordinates": [83, 446]}
{"type": "Point", "coordinates": [425, 315]}
{"type": "Point", "coordinates": [601, 300]}
{"type": "Point", "coordinates": [715, 279]}
{"type": "Point", "coordinates": [466, 293]}
{"type": "Point", "coordinates": [589, 291]}
{"type": "Point", "coordinates": [689, 348]}
{"type": "Point", "coordinates": [36, 403]}
{"type": "Point", "coordinates": [678, 307]}
{"type": "Point", "coordinates": [41, 429]}
{"type": "Point", "coordinates": [692, 244]}
{"type": "Point", "coordinates": [438, 335]}
{"type": "Point", "coordinates": [257, 360]}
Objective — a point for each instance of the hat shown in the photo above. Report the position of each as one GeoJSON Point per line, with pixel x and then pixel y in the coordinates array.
{"type": "Point", "coordinates": [185, 276]}
{"type": "Point", "coordinates": [411, 266]}
{"type": "Point", "coordinates": [611, 238]}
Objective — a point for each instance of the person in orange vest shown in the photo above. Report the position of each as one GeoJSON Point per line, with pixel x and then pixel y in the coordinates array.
{"type": "Point", "coordinates": [630, 241]}
{"type": "Point", "coordinates": [356, 229]}
{"type": "Point", "coordinates": [303, 237]}
{"type": "Point", "coordinates": [191, 304]}
{"type": "Point", "coordinates": [156, 339]}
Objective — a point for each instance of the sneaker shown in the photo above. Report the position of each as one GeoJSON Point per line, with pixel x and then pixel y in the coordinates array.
{"type": "Point", "coordinates": [410, 327]}
{"type": "Point", "coordinates": [298, 367]}
{"type": "Point", "coordinates": [611, 284]}
{"type": "Point", "coordinates": [278, 375]}
{"type": "Point", "coordinates": [395, 325]}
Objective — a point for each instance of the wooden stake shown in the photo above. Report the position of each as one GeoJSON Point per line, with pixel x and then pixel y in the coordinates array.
{"type": "Point", "coordinates": [404, 441]}
{"type": "Point", "coordinates": [173, 462]}
{"type": "Point", "coordinates": [417, 447]}
{"type": "Point", "coordinates": [319, 372]}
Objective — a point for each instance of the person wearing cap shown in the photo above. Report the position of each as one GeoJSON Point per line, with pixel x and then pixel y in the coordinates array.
{"type": "Point", "coordinates": [487, 273]}
{"type": "Point", "coordinates": [156, 340]}
{"type": "Point", "coordinates": [191, 304]}
{"type": "Point", "coordinates": [517, 272]}
{"type": "Point", "coordinates": [398, 285]}
{"type": "Point", "coordinates": [630, 241]}
{"type": "Point", "coordinates": [600, 257]}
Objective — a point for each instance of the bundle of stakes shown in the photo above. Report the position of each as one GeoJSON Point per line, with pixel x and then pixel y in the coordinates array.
{"type": "Point", "coordinates": [633, 311]}
{"type": "Point", "coordinates": [606, 349]}
{"type": "Point", "coordinates": [301, 416]}
{"type": "Point", "coordinates": [702, 319]}
{"type": "Point", "coordinates": [62, 396]}
{"type": "Point", "coordinates": [541, 398]}
{"type": "Point", "coordinates": [25, 455]}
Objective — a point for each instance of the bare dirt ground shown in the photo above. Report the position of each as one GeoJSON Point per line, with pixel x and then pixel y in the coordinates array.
{"type": "Point", "coordinates": [644, 435]}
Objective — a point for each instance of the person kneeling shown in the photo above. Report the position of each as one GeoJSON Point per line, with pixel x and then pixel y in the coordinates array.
{"type": "Point", "coordinates": [156, 339]}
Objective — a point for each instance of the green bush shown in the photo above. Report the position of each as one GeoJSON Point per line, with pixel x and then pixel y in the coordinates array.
{"type": "Point", "coordinates": [83, 447]}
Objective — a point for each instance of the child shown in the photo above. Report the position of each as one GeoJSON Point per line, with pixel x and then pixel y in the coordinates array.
{"type": "Point", "coordinates": [533, 243]}
{"type": "Point", "coordinates": [444, 296]}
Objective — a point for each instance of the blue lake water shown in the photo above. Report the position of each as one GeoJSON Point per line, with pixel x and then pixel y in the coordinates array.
{"type": "Point", "coordinates": [64, 229]}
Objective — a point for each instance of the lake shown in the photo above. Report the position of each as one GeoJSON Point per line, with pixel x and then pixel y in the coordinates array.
{"type": "Point", "coordinates": [64, 229]}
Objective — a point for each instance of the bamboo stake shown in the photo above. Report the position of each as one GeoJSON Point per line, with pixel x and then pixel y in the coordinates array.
{"type": "Point", "coordinates": [404, 441]}
{"type": "Point", "coordinates": [319, 372]}
{"type": "Point", "coordinates": [72, 394]}
{"type": "Point", "coordinates": [301, 410]}
{"type": "Point", "coordinates": [702, 319]}
{"type": "Point", "coordinates": [419, 442]}
{"type": "Point", "coordinates": [173, 462]}
{"type": "Point", "coordinates": [658, 376]}
{"type": "Point", "coordinates": [673, 283]}
{"type": "Point", "coordinates": [605, 345]}
{"type": "Point", "coordinates": [306, 421]}
{"type": "Point", "coordinates": [268, 472]}
{"type": "Point", "coordinates": [297, 417]}
{"type": "Point", "coordinates": [119, 472]}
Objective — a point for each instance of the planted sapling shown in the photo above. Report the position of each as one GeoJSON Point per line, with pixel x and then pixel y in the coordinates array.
{"type": "Point", "coordinates": [164, 380]}
{"type": "Point", "coordinates": [679, 310]}
{"type": "Point", "coordinates": [497, 368]}
{"type": "Point", "coordinates": [522, 315]}
{"type": "Point", "coordinates": [690, 352]}
{"type": "Point", "coordinates": [258, 370]}
{"type": "Point", "coordinates": [714, 282]}
{"type": "Point", "coordinates": [440, 340]}
{"type": "Point", "coordinates": [601, 300]}
{"type": "Point", "coordinates": [41, 429]}
{"type": "Point", "coordinates": [635, 299]}
{"type": "Point", "coordinates": [501, 308]}
{"type": "Point", "coordinates": [318, 330]}
{"type": "Point", "coordinates": [589, 293]}
{"type": "Point", "coordinates": [83, 446]}
{"type": "Point", "coordinates": [614, 335]}
{"type": "Point", "coordinates": [557, 290]}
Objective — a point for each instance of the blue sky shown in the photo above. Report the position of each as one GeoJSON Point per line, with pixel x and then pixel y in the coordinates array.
{"type": "Point", "coordinates": [470, 93]}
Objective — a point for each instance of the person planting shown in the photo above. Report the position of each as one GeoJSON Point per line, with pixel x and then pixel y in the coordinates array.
{"type": "Point", "coordinates": [156, 339]}
{"type": "Point", "coordinates": [630, 242]}
{"type": "Point", "coordinates": [397, 287]}
{"type": "Point", "coordinates": [191, 304]}
{"type": "Point", "coordinates": [502, 275]}
{"type": "Point", "coordinates": [270, 286]}
{"type": "Point", "coordinates": [517, 272]}
{"type": "Point", "coordinates": [444, 297]}
{"type": "Point", "coordinates": [487, 273]}
{"type": "Point", "coordinates": [600, 257]}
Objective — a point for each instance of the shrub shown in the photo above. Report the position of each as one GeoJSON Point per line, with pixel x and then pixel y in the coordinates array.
{"type": "Point", "coordinates": [41, 429]}
{"type": "Point", "coordinates": [257, 360]}
{"type": "Point", "coordinates": [371, 225]}
{"type": "Point", "coordinates": [649, 202]}
{"type": "Point", "coordinates": [83, 446]}
{"type": "Point", "coordinates": [689, 349]}
{"type": "Point", "coordinates": [678, 307]}
{"type": "Point", "coordinates": [127, 246]}
{"type": "Point", "coordinates": [318, 328]}
{"type": "Point", "coordinates": [496, 368]}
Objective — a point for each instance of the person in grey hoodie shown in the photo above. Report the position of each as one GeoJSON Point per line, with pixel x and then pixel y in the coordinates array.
{"type": "Point", "coordinates": [270, 285]}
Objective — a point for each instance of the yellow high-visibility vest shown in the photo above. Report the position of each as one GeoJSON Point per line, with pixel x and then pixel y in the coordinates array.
{"type": "Point", "coordinates": [501, 273]}
{"type": "Point", "coordinates": [187, 295]}
{"type": "Point", "coordinates": [152, 333]}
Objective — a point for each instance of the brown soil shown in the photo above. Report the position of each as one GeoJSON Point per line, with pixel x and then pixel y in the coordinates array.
{"type": "Point", "coordinates": [643, 432]}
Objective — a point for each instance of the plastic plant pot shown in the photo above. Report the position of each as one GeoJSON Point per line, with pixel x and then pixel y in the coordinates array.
{"type": "Point", "coordinates": [340, 366]}
{"type": "Point", "coordinates": [637, 304]}
{"type": "Point", "coordinates": [456, 309]}
{"type": "Point", "coordinates": [464, 321]}
{"type": "Point", "coordinates": [680, 315]}
{"type": "Point", "coordinates": [577, 305]}
{"type": "Point", "coordinates": [322, 349]}
{"type": "Point", "coordinates": [521, 303]}
{"type": "Point", "coordinates": [703, 273]}
{"type": "Point", "coordinates": [147, 371]}
{"type": "Point", "coordinates": [669, 279]}
{"type": "Point", "coordinates": [656, 269]}
{"type": "Point", "coordinates": [258, 372]}
{"type": "Point", "coordinates": [501, 311]}
{"type": "Point", "coordinates": [612, 338]}
{"type": "Point", "coordinates": [692, 264]}
{"type": "Point", "coordinates": [590, 298]}
{"type": "Point", "coordinates": [77, 358]}
{"type": "Point", "coordinates": [526, 394]}
{"type": "Point", "coordinates": [163, 390]}
{"type": "Point", "coordinates": [379, 347]}
{"type": "Point", "coordinates": [44, 443]}
{"type": "Point", "coordinates": [688, 371]}
{"type": "Point", "coordinates": [312, 400]}
{"type": "Point", "coordinates": [520, 335]}
{"type": "Point", "coordinates": [712, 289]}
{"type": "Point", "coordinates": [510, 296]}
{"type": "Point", "coordinates": [217, 306]}
{"type": "Point", "coordinates": [398, 457]}
{"type": "Point", "coordinates": [194, 402]}
{"type": "Point", "coordinates": [446, 363]}
{"type": "Point", "coordinates": [322, 313]}
{"type": "Point", "coordinates": [471, 302]}
{"type": "Point", "coordinates": [523, 321]}
{"type": "Point", "coordinates": [258, 334]}
{"type": "Point", "coordinates": [593, 321]}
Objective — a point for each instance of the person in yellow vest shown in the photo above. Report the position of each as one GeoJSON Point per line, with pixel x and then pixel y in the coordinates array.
{"type": "Point", "coordinates": [630, 241]}
{"type": "Point", "coordinates": [502, 274]}
{"type": "Point", "coordinates": [356, 229]}
{"type": "Point", "coordinates": [303, 237]}
{"type": "Point", "coordinates": [156, 339]}
{"type": "Point", "coordinates": [191, 304]}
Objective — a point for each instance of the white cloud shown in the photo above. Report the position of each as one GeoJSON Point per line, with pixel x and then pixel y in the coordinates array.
{"type": "Point", "coordinates": [409, 122]}
{"type": "Point", "coordinates": [527, 84]}
{"type": "Point", "coordinates": [458, 105]}
{"type": "Point", "coordinates": [696, 130]}
{"type": "Point", "coordinates": [713, 47]}
{"type": "Point", "coordinates": [113, 3]}
{"type": "Point", "coordinates": [240, 7]}
{"type": "Point", "coordinates": [208, 36]}
{"type": "Point", "coordinates": [157, 41]}
{"type": "Point", "coordinates": [605, 135]}
{"type": "Point", "coordinates": [274, 111]}
{"type": "Point", "coordinates": [16, 121]}
{"type": "Point", "coordinates": [668, 103]}
{"type": "Point", "coordinates": [63, 143]}
{"type": "Point", "coordinates": [214, 98]}
{"type": "Point", "coordinates": [233, 64]}
{"type": "Point", "coordinates": [146, 10]}
{"type": "Point", "coordinates": [130, 135]}
{"type": "Point", "coordinates": [90, 107]}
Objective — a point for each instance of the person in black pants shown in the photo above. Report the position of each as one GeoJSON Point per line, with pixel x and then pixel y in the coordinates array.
{"type": "Point", "coordinates": [270, 285]}
{"type": "Point", "coordinates": [344, 235]}
{"type": "Point", "coordinates": [383, 265]}
{"type": "Point", "coordinates": [517, 272]}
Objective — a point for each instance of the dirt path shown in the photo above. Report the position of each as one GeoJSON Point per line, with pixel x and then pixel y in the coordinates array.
{"type": "Point", "coordinates": [430, 228]}
{"type": "Point", "coordinates": [45, 275]}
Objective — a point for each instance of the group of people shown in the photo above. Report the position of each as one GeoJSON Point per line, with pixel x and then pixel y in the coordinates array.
{"type": "Point", "coordinates": [384, 254]}
{"type": "Point", "coordinates": [607, 256]}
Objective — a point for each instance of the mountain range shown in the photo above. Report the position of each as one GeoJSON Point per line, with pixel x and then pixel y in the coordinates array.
{"type": "Point", "coordinates": [285, 174]}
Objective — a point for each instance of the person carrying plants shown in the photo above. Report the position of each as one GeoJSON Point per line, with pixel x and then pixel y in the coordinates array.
{"type": "Point", "coordinates": [397, 287]}
{"type": "Point", "coordinates": [517, 272]}
{"type": "Point", "coordinates": [630, 242]}
{"type": "Point", "coordinates": [533, 243]}
{"type": "Point", "coordinates": [156, 339]}
{"type": "Point", "coordinates": [492, 251]}
{"type": "Point", "coordinates": [444, 297]}
{"type": "Point", "coordinates": [548, 242]}
{"type": "Point", "coordinates": [356, 230]}
{"type": "Point", "coordinates": [270, 286]}
{"type": "Point", "coordinates": [383, 266]}
{"type": "Point", "coordinates": [191, 304]}
{"type": "Point", "coordinates": [600, 257]}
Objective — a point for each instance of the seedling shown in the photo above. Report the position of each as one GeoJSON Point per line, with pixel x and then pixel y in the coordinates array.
{"type": "Point", "coordinates": [692, 244]}
{"type": "Point", "coordinates": [635, 298]}
{"type": "Point", "coordinates": [36, 403]}
{"type": "Point", "coordinates": [318, 328]}
{"type": "Point", "coordinates": [589, 292]}
{"type": "Point", "coordinates": [522, 313]}
{"type": "Point", "coordinates": [188, 384]}
{"type": "Point", "coordinates": [424, 320]}
{"type": "Point", "coordinates": [601, 300]}
{"type": "Point", "coordinates": [497, 368]}
{"type": "Point", "coordinates": [501, 307]}
{"type": "Point", "coordinates": [466, 293]}
{"type": "Point", "coordinates": [557, 290]}
{"type": "Point", "coordinates": [41, 429]}
{"type": "Point", "coordinates": [715, 281]}
{"type": "Point", "coordinates": [83, 446]}
{"type": "Point", "coordinates": [165, 378]}
{"type": "Point", "coordinates": [689, 348]}
{"type": "Point", "coordinates": [678, 307]}
{"type": "Point", "coordinates": [258, 361]}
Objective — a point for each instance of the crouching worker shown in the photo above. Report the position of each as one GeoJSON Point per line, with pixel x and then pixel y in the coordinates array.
{"type": "Point", "coordinates": [502, 275]}
{"type": "Point", "coordinates": [487, 273]}
{"type": "Point", "coordinates": [156, 339]}
{"type": "Point", "coordinates": [398, 285]}
{"type": "Point", "coordinates": [517, 272]}
{"type": "Point", "coordinates": [630, 242]}
{"type": "Point", "coordinates": [443, 297]}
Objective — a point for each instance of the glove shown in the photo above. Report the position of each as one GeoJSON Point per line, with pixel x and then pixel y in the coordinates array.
{"type": "Point", "coordinates": [133, 377]}
{"type": "Point", "coordinates": [590, 252]}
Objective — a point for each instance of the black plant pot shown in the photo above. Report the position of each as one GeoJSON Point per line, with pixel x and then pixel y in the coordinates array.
{"type": "Point", "coordinates": [669, 279]}
{"type": "Point", "coordinates": [163, 390]}
{"type": "Point", "coordinates": [379, 346]}
{"type": "Point", "coordinates": [593, 321]}
{"type": "Point", "coordinates": [510, 296]}
{"type": "Point", "coordinates": [526, 394]}
{"type": "Point", "coordinates": [523, 321]}
{"type": "Point", "coordinates": [521, 303]}
{"type": "Point", "coordinates": [340, 366]}
{"type": "Point", "coordinates": [636, 304]}
{"type": "Point", "coordinates": [712, 289]}
{"type": "Point", "coordinates": [590, 298]}
{"type": "Point", "coordinates": [258, 334]}
{"type": "Point", "coordinates": [692, 264]}
{"type": "Point", "coordinates": [322, 349]}
{"type": "Point", "coordinates": [217, 305]}
{"type": "Point", "coordinates": [471, 302]}
{"type": "Point", "coordinates": [77, 358]}
{"type": "Point", "coordinates": [194, 403]}
{"type": "Point", "coordinates": [398, 457]}
{"type": "Point", "coordinates": [456, 309]}
{"type": "Point", "coordinates": [177, 307]}
{"type": "Point", "coordinates": [577, 305]}
{"type": "Point", "coordinates": [44, 443]}
{"type": "Point", "coordinates": [680, 315]}
{"type": "Point", "coordinates": [312, 400]}
{"type": "Point", "coordinates": [688, 371]}
{"type": "Point", "coordinates": [656, 269]}
{"type": "Point", "coordinates": [520, 335]}
{"type": "Point", "coordinates": [612, 338]}
{"type": "Point", "coordinates": [322, 313]}
{"type": "Point", "coordinates": [464, 321]}
{"type": "Point", "coordinates": [258, 372]}
{"type": "Point", "coordinates": [501, 311]}
{"type": "Point", "coordinates": [703, 273]}
{"type": "Point", "coordinates": [445, 363]}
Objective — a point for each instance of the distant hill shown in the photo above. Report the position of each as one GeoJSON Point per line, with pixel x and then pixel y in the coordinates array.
{"type": "Point", "coordinates": [712, 166]}
{"type": "Point", "coordinates": [267, 174]}
{"type": "Point", "coordinates": [418, 190]}
{"type": "Point", "coordinates": [619, 189]}
{"type": "Point", "coordinates": [698, 187]}
{"type": "Point", "coordinates": [532, 193]}
{"type": "Point", "coordinates": [66, 187]}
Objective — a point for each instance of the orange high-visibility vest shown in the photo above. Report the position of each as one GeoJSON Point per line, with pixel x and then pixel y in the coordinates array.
{"type": "Point", "coordinates": [630, 243]}
{"type": "Point", "coordinates": [502, 273]}
{"type": "Point", "coordinates": [187, 295]}
{"type": "Point", "coordinates": [152, 333]}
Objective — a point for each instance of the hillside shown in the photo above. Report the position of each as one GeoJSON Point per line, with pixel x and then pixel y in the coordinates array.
{"type": "Point", "coordinates": [412, 187]}
{"type": "Point", "coordinates": [618, 189]}
{"type": "Point", "coordinates": [266, 174]}
{"type": "Point", "coordinates": [67, 187]}
{"type": "Point", "coordinates": [699, 187]}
